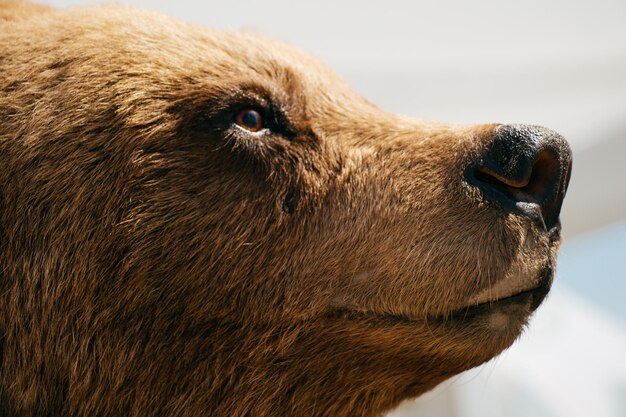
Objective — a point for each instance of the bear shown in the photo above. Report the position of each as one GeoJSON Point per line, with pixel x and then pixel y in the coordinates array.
{"type": "Point", "coordinates": [206, 223]}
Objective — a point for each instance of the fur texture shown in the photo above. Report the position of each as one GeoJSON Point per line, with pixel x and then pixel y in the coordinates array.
{"type": "Point", "coordinates": [158, 260]}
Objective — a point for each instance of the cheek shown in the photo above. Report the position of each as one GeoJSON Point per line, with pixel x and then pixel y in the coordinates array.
{"type": "Point", "coordinates": [413, 245]}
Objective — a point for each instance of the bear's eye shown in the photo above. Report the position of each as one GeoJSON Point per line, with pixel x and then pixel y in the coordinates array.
{"type": "Point", "coordinates": [250, 119]}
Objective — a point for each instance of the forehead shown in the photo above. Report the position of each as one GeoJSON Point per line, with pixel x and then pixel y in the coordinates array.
{"type": "Point", "coordinates": [165, 43]}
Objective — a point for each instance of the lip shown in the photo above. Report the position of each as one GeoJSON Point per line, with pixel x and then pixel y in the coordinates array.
{"type": "Point", "coordinates": [531, 299]}
{"type": "Point", "coordinates": [535, 295]}
{"type": "Point", "coordinates": [511, 286]}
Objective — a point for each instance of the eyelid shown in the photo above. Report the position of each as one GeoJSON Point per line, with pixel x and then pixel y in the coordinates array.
{"type": "Point", "coordinates": [274, 119]}
{"type": "Point", "coordinates": [260, 132]}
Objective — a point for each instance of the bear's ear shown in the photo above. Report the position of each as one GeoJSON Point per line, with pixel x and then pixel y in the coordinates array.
{"type": "Point", "coordinates": [20, 9]}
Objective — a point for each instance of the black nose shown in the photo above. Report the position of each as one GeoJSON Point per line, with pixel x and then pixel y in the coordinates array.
{"type": "Point", "coordinates": [525, 170]}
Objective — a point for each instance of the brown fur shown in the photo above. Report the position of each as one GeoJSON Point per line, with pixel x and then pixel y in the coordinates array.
{"type": "Point", "coordinates": [156, 261]}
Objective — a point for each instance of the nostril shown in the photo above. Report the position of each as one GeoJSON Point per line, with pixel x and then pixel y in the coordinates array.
{"type": "Point", "coordinates": [533, 186]}
{"type": "Point", "coordinates": [539, 184]}
{"type": "Point", "coordinates": [545, 178]}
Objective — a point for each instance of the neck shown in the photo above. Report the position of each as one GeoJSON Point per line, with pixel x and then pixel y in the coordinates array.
{"type": "Point", "coordinates": [331, 367]}
{"type": "Point", "coordinates": [325, 367]}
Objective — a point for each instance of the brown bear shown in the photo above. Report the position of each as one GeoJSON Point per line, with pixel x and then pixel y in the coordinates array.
{"type": "Point", "coordinates": [200, 223]}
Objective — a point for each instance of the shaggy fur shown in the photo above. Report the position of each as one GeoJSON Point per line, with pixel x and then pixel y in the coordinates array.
{"type": "Point", "coordinates": [157, 260]}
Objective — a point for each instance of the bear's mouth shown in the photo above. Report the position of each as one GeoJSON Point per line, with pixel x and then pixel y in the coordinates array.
{"type": "Point", "coordinates": [512, 286]}
{"type": "Point", "coordinates": [528, 298]}
{"type": "Point", "coordinates": [531, 294]}
{"type": "Point", "coordinates": [531, 297]}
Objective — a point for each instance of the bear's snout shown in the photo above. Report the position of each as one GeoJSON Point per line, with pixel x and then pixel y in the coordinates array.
{"type": "Point", "coordinates": [525, 170]}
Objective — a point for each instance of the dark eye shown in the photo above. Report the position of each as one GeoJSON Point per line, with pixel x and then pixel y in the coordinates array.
{"type": "Point", "coordinates": [250, 120]}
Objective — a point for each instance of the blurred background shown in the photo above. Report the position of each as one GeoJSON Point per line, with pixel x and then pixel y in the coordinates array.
{"type": "Point", "coordinates": [557, 63]}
